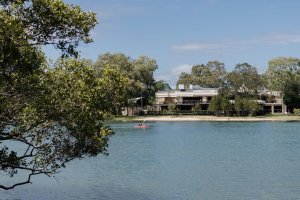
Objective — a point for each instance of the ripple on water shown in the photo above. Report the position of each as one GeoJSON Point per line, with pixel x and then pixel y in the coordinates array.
{"type": "Point", "coordinates": [183, 160]}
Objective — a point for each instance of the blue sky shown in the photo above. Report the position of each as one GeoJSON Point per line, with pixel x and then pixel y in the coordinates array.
{"type": "Point", "coordinates": [181, 33]}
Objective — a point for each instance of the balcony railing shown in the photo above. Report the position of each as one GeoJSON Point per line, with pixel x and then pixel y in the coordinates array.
{"type": "Point", "coordinates": [189, 102]}
{"type": "Point", "coordinates": [185, 102]}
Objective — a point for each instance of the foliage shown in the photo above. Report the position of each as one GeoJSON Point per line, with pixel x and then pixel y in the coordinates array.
{"type": "Point", "coordinates": [171, 108]}
{"type": "Point", "coordinates": [220, 104]}
{"type": "Point", "coordinates": [244, 84]}
{"type": "Point", "coordinates": [63, 122]}
{"type": "Point", "coordinates": [280, 70]}
{"type": "Point", "coordinates": [210, 75]}
{"type": "Point", "coordinates": [118, 60]}
{"type": "Point", "coordinates": [74, 81]}
{"type": "Point", "coordinates": [215, 104]}
{"type": "Point", "coordinates": [161, 86]}
{"type": "Point", "coordinates": [139, 73]}
{"type": "Point", "coordinates": [245, 106]}
{"type": "Point", "coordinates": [218, 73]}
{"type": "Point", "coordinates": [123, 64]}
{"type": "Point", "coordinates": [244, 79]}
{"type": "Point", "coordinates": [185, 79]}
{"type": "Point", "coordinates": [296, 111]}
{"type": "Point", "coordinates": [46, 22]}
{"type": "Point", "coordinates": [251, 106]}
{"type": "Point", "coordinates": [197, 107]}
{"type": "Point", "coordinates": [238, 105]}
{"type": "Point", "coordinates": [291, 94]}
{"type": "Point", "coordinates": [54, 114]}
{"type": "Point", "coordinates": [144, 68]}
{"type": "Point", "coordinates": [226, 105]}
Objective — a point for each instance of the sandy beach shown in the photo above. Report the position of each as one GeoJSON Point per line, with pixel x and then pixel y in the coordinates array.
{"type": "Point", "coordinates": [214, 118]}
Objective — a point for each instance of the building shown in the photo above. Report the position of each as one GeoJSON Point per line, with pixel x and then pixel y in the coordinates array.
{"type": "Point", "coordinates": [272, 102]}
{"type": "Point", "coordinates": [186, 98]}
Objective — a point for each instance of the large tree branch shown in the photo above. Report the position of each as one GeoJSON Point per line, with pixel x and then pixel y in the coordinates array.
{"type": "Point", "coordinates": [20, 183]}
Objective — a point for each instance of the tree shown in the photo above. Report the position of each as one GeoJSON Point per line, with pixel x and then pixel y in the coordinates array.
{"type": "Point", "coordinates": [123, 64]}
{"type": "Point", "coordinates": [140, 74]}
{"type": "Point", "coordinates": [161, 85]}
{"type": "Point", "coordinates": [251, 105]}
{"type": "Point", "coordinates": [218, 73]}
{"type": "Point", "coordinates": [118, 60]}
{"type": "Point", "coordinates": [185, 79]}
{"type": "Point", "coordinates": [171, 108]}
{"type": "Point", "coordinates": [244, 79]}
{"type": "Point", "coordinates": [55, 115]}
{"type": "Point", "coordinates": [292, 95]}
{"type": "Point", "coordinates": [106, 89]}
{"type": "Point", "coordinates": [46, 22]}
{"type": "Point", "coordinates": [209, 75]}
{"type": "Point", "coordinates": [197, 107]}
{"type": "Point", "coordinates": [245, 106]}
{"type": "Point", "coordinates": [220, 104]}
{"type": "Point", "coordinates": [280, 70]}
{"type": "Point", "coordinates": [226, 105]}
{"type": "Point", "coordinates": [144, 68]}
{"type": "Point", "coordinates": [238, 105]}
{"type": "Point", "coordinates": [201, 75]}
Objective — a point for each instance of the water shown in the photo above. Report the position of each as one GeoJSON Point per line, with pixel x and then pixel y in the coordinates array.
{"type": "Point", "coordinates": [182, 160]}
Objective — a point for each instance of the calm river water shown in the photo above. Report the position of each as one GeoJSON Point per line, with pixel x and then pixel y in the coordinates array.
{"type": "Point", "coordinates": [182, 160]}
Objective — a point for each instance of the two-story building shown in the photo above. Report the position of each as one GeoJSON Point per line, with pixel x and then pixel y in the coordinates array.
{"type": "Point", "coordinates": [185, 98]}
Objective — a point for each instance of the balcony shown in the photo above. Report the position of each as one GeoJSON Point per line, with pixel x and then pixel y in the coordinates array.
{"type": "Point", "coordinates": [192, 102]}
{"type": "Point", "coordinates": [184, 102]}
{"type": "Point", "coordinates": [209, 92]}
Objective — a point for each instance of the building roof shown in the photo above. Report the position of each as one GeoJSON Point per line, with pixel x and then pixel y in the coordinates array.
{"type": "Point", "coordinates": [188, 93]}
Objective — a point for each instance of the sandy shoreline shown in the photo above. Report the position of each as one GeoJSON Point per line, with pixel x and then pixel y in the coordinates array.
{"type": "Point", "coordinates": [214, 118]}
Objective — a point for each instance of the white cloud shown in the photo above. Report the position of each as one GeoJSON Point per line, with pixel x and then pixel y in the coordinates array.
{"type": "Point", "coordinates": [207, 47]}
{"type": "Point", "coordinates": [181, 68]}
{"type": "Point", "coordinates": [274, 39]}
{"type": "Point", "coordinates": [172, 76]}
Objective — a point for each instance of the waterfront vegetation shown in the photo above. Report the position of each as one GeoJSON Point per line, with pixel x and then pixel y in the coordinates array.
{"type": "Point", "coordinates": [50, 114]}
{"type": "Point", "coordinates": [56, 111]}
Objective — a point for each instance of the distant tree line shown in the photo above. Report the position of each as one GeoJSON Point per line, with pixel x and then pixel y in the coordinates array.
{"type": "Point", "coordinates": [244, 84]}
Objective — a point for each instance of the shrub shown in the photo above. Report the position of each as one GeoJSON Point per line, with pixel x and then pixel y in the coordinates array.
{"type": "Point", "coordinates": [296, 111]}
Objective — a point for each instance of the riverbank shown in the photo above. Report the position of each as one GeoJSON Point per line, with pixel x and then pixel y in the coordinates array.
{"type": "Point", "coordinates": [211, 118]}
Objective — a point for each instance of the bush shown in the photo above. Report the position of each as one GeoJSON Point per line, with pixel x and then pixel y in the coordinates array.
{"type": "Point", "coordinates": [171, 108]}
{"type": "Point", "coordinates": [296, 111]}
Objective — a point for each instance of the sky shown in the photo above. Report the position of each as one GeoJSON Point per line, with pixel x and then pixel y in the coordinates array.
{"type": "Point", "coordinates": [181, 33]}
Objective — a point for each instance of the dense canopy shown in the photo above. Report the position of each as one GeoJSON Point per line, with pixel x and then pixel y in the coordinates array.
{"type": "Point", "coordinates": [50, 115]}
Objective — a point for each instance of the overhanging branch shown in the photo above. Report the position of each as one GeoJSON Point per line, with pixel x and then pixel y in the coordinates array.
{"type": "Point", "coordinates": [18, 184]}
